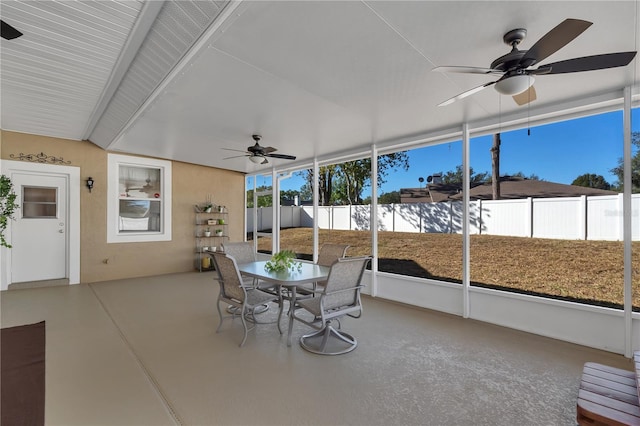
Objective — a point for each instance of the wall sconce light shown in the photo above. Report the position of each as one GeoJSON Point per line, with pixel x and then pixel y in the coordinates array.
{"type": "Point", "coordinates": [90, 183]}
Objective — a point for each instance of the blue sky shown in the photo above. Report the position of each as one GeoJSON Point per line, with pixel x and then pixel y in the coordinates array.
{"type": "Point", "coordinates": [557, 152]}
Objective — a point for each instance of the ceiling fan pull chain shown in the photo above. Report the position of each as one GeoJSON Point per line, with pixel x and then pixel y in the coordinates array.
{"type": "Point", "coordinates": [499, 114]}
{"type": "Point", "coordinates": [529, 115]}
{"type": "Point", "coordinates": [528, 124]}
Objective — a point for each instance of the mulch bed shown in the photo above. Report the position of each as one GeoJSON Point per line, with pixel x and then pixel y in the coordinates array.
{"type": "Point", "coordinates": [576, 270]}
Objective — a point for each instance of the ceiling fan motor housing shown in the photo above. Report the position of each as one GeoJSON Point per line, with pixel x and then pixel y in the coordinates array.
{"type": "Point", "coordinates": [256, 148]}
{"type": "Point", "coordinates": [508, 61]}
{"type": "Point", "coordinates": [511, 59]}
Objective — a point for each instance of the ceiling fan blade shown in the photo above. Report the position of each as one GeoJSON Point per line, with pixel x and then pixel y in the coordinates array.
{"type": "Point", "coordinates": [237, 156]}
{"type": "Point", "coordinates": [592, 63]}
{"type": "Point", "coordinates": [525, 97]}
{"type": "Point", "coordinates": [268, 150]}
{"type": "Point", "coordinates": [236, 150]}
{"type": "Point", "coordinates": [467, 93]}
{"type": "Point", "coordinates": [468, 70]}
{"type": "Point", "coordinates": [283, 156]}
{"type": "Point", "coordinates": [545, 69]}
{"type": "Point", "coordinates": [554, 40]}
{"type": "Point", "coordinates": [8, 32]}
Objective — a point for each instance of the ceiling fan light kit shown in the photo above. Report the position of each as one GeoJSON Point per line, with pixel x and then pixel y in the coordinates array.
{"type": "Point", "coordinates": [514, 85]}
{"type": "Point", "coordinates": [257, 159]}
{"type": "Point", "coordinates": [518, 67]}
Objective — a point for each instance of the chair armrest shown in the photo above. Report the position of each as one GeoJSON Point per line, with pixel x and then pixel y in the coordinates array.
{"type": "Point", "coordinates": [359, 287]}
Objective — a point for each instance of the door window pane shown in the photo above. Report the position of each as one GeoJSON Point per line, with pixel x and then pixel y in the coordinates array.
{"type": "Point", "coordinates": [39, 202]}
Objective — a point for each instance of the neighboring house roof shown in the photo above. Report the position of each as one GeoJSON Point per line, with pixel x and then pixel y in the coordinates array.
{"type": "Point", "coordinates": [433, 193]}
{"type": "Point", "coordinates": [510, 188]}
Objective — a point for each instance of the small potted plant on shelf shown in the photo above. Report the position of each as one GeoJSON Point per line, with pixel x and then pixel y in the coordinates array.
{"type": "Point", "coordinates": [284, 260]}
{"type": "Point", "coordinates": [207, 208]}
{"type": "Point", "coordinates": [207, 232]}
{"type": "Point", "coordinates": [219, 232]}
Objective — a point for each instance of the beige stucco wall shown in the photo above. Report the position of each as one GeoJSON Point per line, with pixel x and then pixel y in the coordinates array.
{"type": "Point", "coordinates": [191, 184]}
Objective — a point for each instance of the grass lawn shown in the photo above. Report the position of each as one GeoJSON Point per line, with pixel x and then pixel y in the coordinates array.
{"type": "Point", "coordinates": [585, 271]}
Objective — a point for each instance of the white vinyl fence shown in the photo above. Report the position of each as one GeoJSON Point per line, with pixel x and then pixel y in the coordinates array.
{"type": "Point", "coordinates": [570, 218]}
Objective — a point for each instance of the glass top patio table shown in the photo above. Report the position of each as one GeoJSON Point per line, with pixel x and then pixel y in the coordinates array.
{"type": "Point", "coordinates": [308, 273]}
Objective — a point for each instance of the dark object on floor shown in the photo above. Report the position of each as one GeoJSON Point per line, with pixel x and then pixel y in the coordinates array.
{"type": "Point", "coordinates": [608, 395]}
{"type": "Point", "coordinates": [22, 388]}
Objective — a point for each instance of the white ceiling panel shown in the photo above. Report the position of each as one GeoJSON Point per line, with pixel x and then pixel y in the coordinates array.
{"type": "Point", "coordinates": [208, 117]}
{"type": "Point", "coordinates": [322, 50]}
{"type": "Point", "coordinates": [177, 26]}
{"type": "Point", "coordinates": [54, 75]}
{"type": "Point", "coordinates": [314, 78]}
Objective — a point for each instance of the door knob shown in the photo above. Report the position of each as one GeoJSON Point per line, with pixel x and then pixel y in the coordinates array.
{"type": "Point", "coordinates": [61, 231]}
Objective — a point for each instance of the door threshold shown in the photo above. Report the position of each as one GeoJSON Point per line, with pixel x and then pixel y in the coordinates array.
{"type": "Point", "coordinates": [38, 284]}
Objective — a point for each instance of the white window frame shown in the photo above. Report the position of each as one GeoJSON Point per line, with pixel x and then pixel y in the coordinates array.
{"type": "Point", "coordinates": [113, 199]}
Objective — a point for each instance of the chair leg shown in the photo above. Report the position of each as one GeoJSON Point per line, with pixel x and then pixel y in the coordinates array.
{"type": "Point", "coordinates": [326, 334]}
{"type": "Point", "coordinates": [347, 338]}
{"type": "Point", "coordinates": [290, 330]}
{"type": "Point", "coordinates": [280, 309]}
{"type": "Point", "coordinates": [259, 309]}
{"type": "Point", "coordinates": [220, 314]}
{"type": "Point", "coordinates": [244, 326]}
{"type": "Point", "coordinates": [325, 338]}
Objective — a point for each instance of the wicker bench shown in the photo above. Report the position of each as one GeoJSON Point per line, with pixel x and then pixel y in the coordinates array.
{"type": "Point", "coordinates": [608, 395]}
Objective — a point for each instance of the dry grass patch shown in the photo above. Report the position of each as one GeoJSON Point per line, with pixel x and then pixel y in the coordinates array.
{"type": "Point", "coordinates": [587, 271]}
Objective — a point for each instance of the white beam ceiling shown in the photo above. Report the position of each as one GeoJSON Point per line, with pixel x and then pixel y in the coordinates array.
{"type": "Point", "coordinates": [317, 78]}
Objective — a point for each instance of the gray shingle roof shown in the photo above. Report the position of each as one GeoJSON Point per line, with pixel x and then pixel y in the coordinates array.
{"type": "Point", "coordinates": [510, 188]}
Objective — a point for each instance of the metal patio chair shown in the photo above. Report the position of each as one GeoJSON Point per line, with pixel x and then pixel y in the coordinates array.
{"type": "Point", "coordinates": [245, 300]}
{"type": "Point", "coordinates": [339, 297]}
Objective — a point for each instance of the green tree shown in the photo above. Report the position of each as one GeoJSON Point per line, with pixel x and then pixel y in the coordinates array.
{"type": "Point", "coordinates": [591, 180]}
{"type": "Point", "coordinates": [344, 183]}
{"type": "Point", "coordinates": [351, 181]}
{"type": "Point", "coordinates": [392, 197]}
{"type": "Point", "coordinates": [289, 196]}
{"type": "Point", "coordinates": [635, 167]}
{"type": "Point", "coordinates": [532, 176]}
{"type": "Point", "coordinates": [263, 201]}
{"type": "Point", "coordinates": [325, 183]}
{"type": "Point", "coordinates": [267, 200]}
{"type": "Point", "coordinates": [455, 177]}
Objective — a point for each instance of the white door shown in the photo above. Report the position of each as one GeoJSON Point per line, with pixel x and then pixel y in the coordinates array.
{"type": "Point", "coordinates": [39, 233]}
